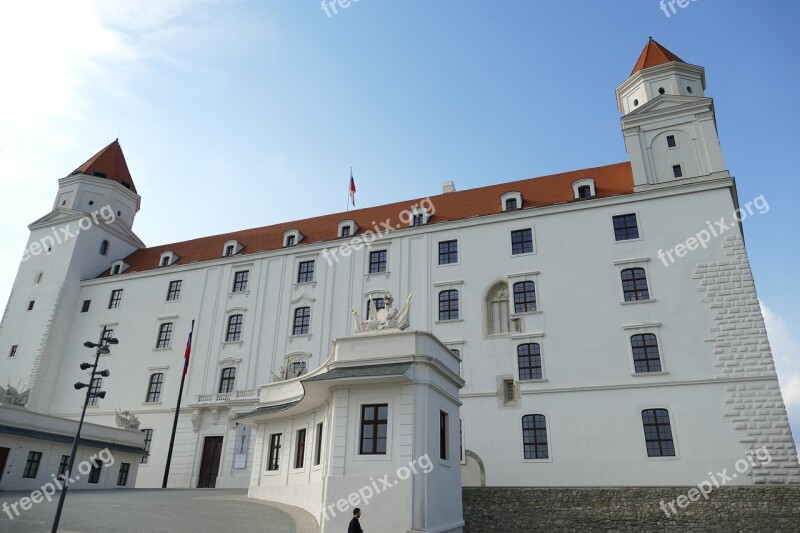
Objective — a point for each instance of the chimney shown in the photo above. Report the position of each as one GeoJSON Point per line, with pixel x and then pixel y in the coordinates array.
{"type": "Point", "coordinates": [448, 186]}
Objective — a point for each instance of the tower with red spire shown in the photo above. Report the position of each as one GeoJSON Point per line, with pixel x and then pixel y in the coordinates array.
{"type": "Point", "coordinates": [668, 123]}
{"type": "Point", "coordinates": [88, 228]}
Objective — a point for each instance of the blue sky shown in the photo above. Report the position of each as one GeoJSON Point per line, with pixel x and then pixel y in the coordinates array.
{"type": "Point", "coordinates": [236, 114]}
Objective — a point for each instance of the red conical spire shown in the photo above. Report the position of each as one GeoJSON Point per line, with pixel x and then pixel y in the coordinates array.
{"type": "Point", "coordinates": [654, 54]}
{"type": "Point", "coordinates": [109, 163]}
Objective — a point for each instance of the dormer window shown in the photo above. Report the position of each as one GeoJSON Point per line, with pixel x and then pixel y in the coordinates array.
{"type": "Point", "coordinates": [231, 248]}
{"type": "Point", "coordinates": [347, 228]}
{"type": "Point", "coordinates": [292, 238]}
{"type": "Point", "coordinates": [167, 259]}
{"type": "Point", "coordinates": [583, 188]}
{"type": "Point", "coordinates": [511, 201]}
{"type": "Point", "coordinates": [419, 216]}
{"type": "Point", "coordinates": [118, 267]}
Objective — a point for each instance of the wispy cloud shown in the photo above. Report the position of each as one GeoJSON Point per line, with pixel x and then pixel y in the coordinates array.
{"type": "Point", "coordinates": [783, 338]}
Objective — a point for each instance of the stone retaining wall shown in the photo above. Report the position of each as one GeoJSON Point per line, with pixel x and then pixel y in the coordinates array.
{"type": "Point", "coordinates": [728, 509]}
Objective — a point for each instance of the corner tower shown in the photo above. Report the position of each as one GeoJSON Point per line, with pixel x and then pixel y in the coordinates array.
{"type": "Point", "coordinates": [668, 123]}
{"type": "Point", "coordinates": [88, 228]}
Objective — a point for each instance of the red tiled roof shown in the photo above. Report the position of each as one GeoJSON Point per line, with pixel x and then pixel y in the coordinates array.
{"type": "Point", "coordinates": [109, 162]}
{"type": "Point", "coordinates": [652, 55]}
{"type": "Point", "coordinates": [610, 180]}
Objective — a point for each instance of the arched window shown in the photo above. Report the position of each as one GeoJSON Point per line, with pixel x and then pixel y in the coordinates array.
{"type": "Point", "coordinates": [234, 332]}
{"type": "Point", "coordinates": [227, 380]}
{"type": "Point", "coordinates": [497, 320]}
{"type": "Point", "coordinates": [658, 433]}
{"type": "Point", "coordinates": [634, 284]}
{"type": "Point", "coordinates": [154, 388]}
{"type": "Point", "coordinates": [645, 353]}
{"type": "Point", "coordinates": [534, 437]}
{"type": "Point", "coordinates": [104, 248]}
{"type": "Point", "coordinates": [524, 297]}
{"type": "Point", "coordinates": [529, 360]}
{"type": "Point", "coordinates": [302, 321]}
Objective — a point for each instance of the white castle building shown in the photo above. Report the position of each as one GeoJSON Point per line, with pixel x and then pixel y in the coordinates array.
{"type": "Point", "coordinates": [604, 321]}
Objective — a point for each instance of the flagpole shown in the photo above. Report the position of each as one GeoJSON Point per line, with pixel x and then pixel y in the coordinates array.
{"type": "Point", "coordinates": [348, 191]}
{"type": "Point", "coordinates": [177, 409]}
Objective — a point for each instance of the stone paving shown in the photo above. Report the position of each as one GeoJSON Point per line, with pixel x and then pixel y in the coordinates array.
{"type": "Point", "coordinates": [155, 511]}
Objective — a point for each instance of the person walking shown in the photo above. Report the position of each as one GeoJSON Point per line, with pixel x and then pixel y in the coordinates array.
{"type": "Point", "coordinates": [355, 525]}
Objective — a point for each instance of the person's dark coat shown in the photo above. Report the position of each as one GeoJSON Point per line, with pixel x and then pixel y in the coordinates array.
{"type": "Point", "coordinates": [355, 526]}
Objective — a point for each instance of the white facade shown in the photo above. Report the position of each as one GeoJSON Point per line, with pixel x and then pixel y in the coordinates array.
{"type": "Point", "coordinates": [309, 449]}
{"type": "Point", "coordinates": [35, 448]}
{"type": "Point", "coordinates": [717, 381]}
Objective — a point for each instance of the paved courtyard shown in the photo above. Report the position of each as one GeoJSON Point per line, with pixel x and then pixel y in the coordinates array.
{"type": "Point", "coordinates": [155, 511]}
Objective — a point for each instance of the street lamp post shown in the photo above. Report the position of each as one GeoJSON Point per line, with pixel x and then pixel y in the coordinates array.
{"type": "Point", "coordinates": [102, 349]}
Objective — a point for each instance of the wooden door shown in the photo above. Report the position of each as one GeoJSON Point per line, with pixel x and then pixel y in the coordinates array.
{"type": "Point", "coordinates": [209, 465]}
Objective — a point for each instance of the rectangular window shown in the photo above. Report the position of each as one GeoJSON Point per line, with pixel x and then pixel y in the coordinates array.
{"type": "Point", "coordinates": [32, 464]}
{"type": "Point", "coordinates": [165, 261]}
{"type": "Point", "coordinates": [273, 462]}
{"type": "Point", "coordinates": [302, 321]}
{"type": "Point", "coordinates": [63, 465]}
{"type": "Point", "coordinates": [174, 290]}
{"type": "Point", "coordinates": [511, 204]}
{"type": "Point", "coordinates": [122, 477]}
{"type": "Point", "coordinates": [584, 191]}
{"type": "Point", "coordinates": [448, 305]}
{"type": "Point", "coordinates": [106, 333]}
{"type": "Point", "coordinates": [290, 240]}
{"type": "Point", "coordinates": [448, 252]}
{"type": "Point", "coordinates": [234, 331]}
{"type": "Point", "coordinates": [671, 141]}
{"type": "Point", "coordinates": [345, 231]}
{"type": "Point", "coordinates": [443, 435]}
{"type": "Point", "coordinates": [116, 299]}
{"type": "Point", "coordinates": [377, 261]}
{"type": "Point", "coordinates": [522, 241]}
{"type": "Point", "coordinates": [85, 306]}
{"type": "Point", "coordinates": [625, 227]}
{"type": "Point", "coordinates": [30, 305]}
{"type": "Point", "coordinates": [154, 388]}
{"type": "Point", "coordinates": [374, 425]}
{"type": "Point", "coordinates": [164, 335]}
{"type": "Point", "coordinates": [534, 437]}
{"type": "Point", "coordinates": [229, 250]}
{"type": "Point", "coordinates": [300, 449]}
{"type": "Point", "coordinates": [13, 352]}
{"type": "Point", "coordinates": [305, 273]}
{"type": "Point", "coordinates": [416, 220]}
{"type": "Point", "coordinates": [658, 433]}
{"type": "Point", "coordinates": [318, 449]}
{"type": "Point", "coordinates": [94, 389]}
{"type": "Point", "coordinates": [508, 391]}
{"type": "Point", "coordinates": [94, 473]}
{"type": "Point", "coordinates": [227, 380]}
{"type": "Point", "coordinates": [677, 171]}
{"type": "Point", "coordinates": [148, 439]}
{"type": "Point", "coordinates": [240, 280]}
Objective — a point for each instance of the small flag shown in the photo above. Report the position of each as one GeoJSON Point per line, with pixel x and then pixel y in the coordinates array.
{"type": "Point", "coordinates": [188, 351]}
{"type": "Point", "coordinates": [352, 188]}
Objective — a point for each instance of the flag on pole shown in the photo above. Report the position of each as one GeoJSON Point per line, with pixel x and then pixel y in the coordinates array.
{"type": "Point", "coordinates": [352, 188]}
{"type": "Point", "coordinates": [188, 351]}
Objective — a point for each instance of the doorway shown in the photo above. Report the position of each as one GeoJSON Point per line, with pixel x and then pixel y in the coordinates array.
{"type": "Point", "coordinates": [209, 465]}
{"type": "Point", "coordinates": [3, 458]}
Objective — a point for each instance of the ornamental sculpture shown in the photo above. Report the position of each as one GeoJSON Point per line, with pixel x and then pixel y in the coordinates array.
{"type": "Point", "coordinates": [127, 420]}
{"type": "Point", "coordinates": [10, 396]}
{"type": "Point", "coordinates": [389, 318]}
